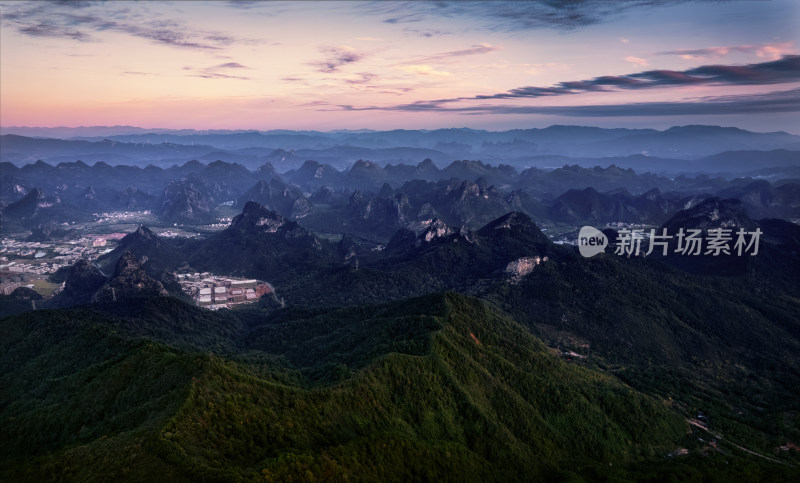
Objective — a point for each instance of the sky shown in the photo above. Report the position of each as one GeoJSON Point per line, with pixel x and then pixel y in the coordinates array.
{"type": "Point", "coordinates": [400, 65]}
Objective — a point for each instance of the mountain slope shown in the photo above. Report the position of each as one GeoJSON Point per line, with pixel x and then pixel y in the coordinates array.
{"type": "Point", "coordinates": [77, 392]}
{"type": "Point", "coordinates": [260, 243]}
{"type": "Point", "coordinates": [447, 389]}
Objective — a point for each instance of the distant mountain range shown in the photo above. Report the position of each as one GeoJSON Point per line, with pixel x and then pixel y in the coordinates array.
{"type": "Point", "coordinates": [676, 149]}
{"type": "Point", "coordinates": [372, 200]}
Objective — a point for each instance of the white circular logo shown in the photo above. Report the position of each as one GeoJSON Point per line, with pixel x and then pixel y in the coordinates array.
{"type": "Point", "coordinates": [591, 241]}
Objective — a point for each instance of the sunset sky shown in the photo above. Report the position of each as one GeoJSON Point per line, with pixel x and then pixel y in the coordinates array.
{"type": "Point", "coordinates": [387, 65]}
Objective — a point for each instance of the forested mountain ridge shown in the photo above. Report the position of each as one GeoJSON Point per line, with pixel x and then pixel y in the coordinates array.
{"type": "Point", "coordinates": [459, 393]}
{"type": "Point", "coordinates": [564, 359]}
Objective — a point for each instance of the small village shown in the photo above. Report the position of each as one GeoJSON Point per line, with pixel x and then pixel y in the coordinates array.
{"type": "Point", "coordinates": [119, 216]}
{"type": "Point", "coordinates": [217, 292]}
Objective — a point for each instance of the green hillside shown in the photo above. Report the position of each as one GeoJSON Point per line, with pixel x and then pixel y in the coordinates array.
{"type": "Point", "coordinates": [439, 387]}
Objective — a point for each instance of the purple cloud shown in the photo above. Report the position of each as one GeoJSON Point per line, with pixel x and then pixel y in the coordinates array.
{"type": "Point", "coordinates": [230, 65]}
{"type": "Point", "coordinates": [337, 57]}
{"type": "Point", "coordinates": [786, 69]}
{"type": "Point", "coordinates": [445, 56]}
{"type": "Point", "coordinates": [773, 102]}
{"type": "Point", "coordinates": [75, 21]}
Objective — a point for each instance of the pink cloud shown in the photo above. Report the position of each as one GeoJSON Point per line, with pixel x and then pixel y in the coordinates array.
{"type": "Point", "coordinates": [771, 51]}
{"type": "Point", "coordinates": [636, 60]}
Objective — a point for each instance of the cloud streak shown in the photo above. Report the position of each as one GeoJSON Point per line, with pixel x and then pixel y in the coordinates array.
{"type": "Point", "coordinates": [361, 78]}
{"type": "Point", "coordinates": [45, 30]}
{"type": "Point", "coordinates": [513, 15]}
{"type": "Point", "coordinates": [336, 57]}
{"type": "Point", "coordinates": [636, 60]}
{"type": "Point", "coordinates": [75, 21]}
{"type": "Point", "coordinates": [770, 103]}
{"type": "Point", "coordinates": [454, 54]}
{"type": "Point", "coordinates": [213, 72]}
{"type": "Point", "coordinates": [428, 33]}
{"type": "Point", "coordinates": [422, 69]}
{"type": "Point", "coordinates": [243, 4]}
{"type": "Point", "coordinates": [786, 69]}
{"type": "Point", "coordinates": [772, 51]}
{"type": "Point", "coordinates": [217, 75]}
{"type": "Point", "coordinates": [230, 65]}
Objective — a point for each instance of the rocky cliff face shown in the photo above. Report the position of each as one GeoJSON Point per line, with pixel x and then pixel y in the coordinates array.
{"type": "Point", "coordinates": [519, 268]}
{"type": "Point", "coordinates": [514, 225]}
{"type": "Point", "coordinates": [83, 277]}
{"type": "Point", "coordinates": [348, 248]}
{"type": "Point", "coordinates": [287, 200]}
{"type": "Point", "coordinates": [436, 229]}
{"type": "Point", "coordinates": [132, 198]}
{"type": "Point", "coordinates": [258, 220]}
{"type": "Point", "coordinates": [81, 282]}
{"type": "Point", "coordinates": [712, 212]}
{"type": "Point", "coordinates": [28, 206]}
{"type": "Point", "coordinates": [183, 202]}
{"type": "Point", "coordinates": [392, 211]}
{"type": "Point", "coordinates": [255, 217]}
{"type": "Point", "coordinates": [129, 281]}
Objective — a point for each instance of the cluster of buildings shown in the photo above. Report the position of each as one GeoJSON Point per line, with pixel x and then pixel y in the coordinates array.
{"type": "Point", "coordinates": [120, 216]}
{"type": "Point", "coordinates": [21, 248]}
{"type": "Point", "coordinates": [44, 268]}
{"type": "Point", "coordinates": [7, 286]}
{"type": "Point", "coordinates": [43, 258]}
{"type": "Point", "coordinates": [220, 224]}
{"type": "Point", "coordinates": [216, 292]}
